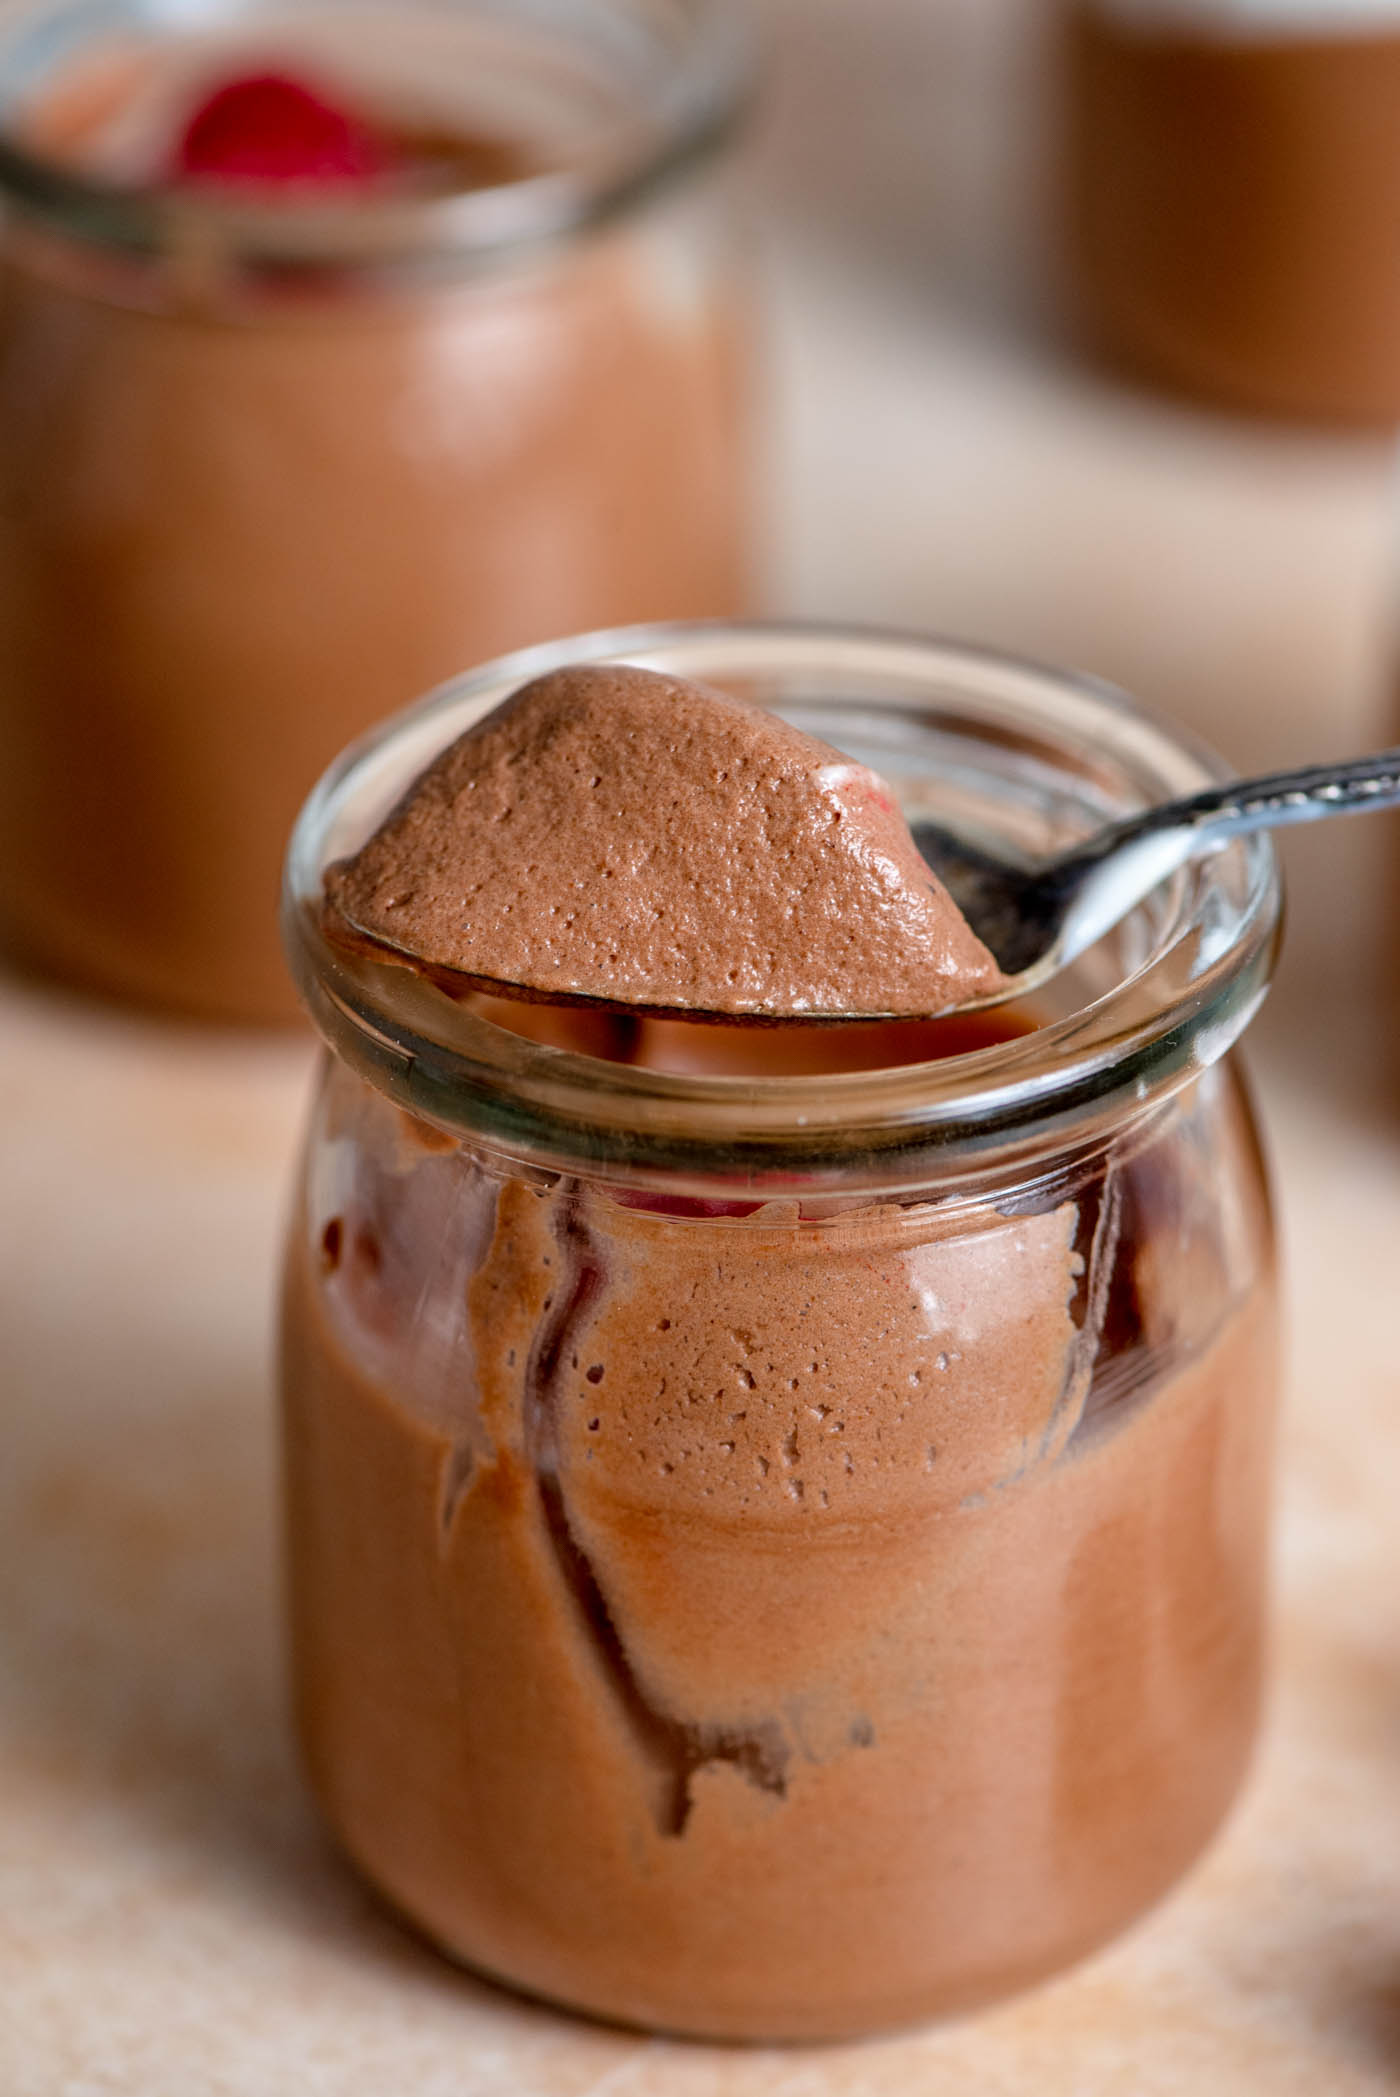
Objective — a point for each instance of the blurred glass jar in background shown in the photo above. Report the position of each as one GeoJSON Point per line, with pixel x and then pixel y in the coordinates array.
{"type": "Point", "coordinates": [273, 461]}
{"type": "Point", "coordinates": [777, 1517]}
{"type": "Point", "coordinates": [1232, 198]}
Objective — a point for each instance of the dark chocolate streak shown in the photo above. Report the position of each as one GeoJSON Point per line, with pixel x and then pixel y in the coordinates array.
{"type": "Point", "coordinates": [677, 1751]}
{"type": "Point", "coordinates": [1142, 1342]}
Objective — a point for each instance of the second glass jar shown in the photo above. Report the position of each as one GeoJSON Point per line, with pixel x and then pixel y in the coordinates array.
{"type": "Point", "coordinates": [268, 469]}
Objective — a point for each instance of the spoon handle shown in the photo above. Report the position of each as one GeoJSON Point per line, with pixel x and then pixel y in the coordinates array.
{"type": "Point", "coordinates": [1277, 798]}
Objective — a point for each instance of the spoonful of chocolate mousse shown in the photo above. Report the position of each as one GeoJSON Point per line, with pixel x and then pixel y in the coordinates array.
{"type": "Point", "coordinates": [618, 838]}
{"type": "Point", "coordinates": [614, 836]}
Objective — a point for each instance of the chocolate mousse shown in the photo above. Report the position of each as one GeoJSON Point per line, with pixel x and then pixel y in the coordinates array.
{"type": "Point", "coordinates": [1233, 195]}
{"type": "Point", "coordinates": [610, 833]}
{"type": "Point", "coordinates": [753, 1607]}
{"type": "Point", "coordinates": [763, 1623]}
{"type": "Point", "coordinates": [245, 511]}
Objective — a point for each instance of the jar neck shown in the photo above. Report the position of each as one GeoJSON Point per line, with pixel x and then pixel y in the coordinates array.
{"type": "Point", "coordinates": [1042, 755]}
{"type": "Point", "coordinates": [617, 101]}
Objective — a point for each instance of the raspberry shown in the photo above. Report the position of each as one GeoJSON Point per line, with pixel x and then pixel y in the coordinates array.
{"type": "Point", "coordinates": [266, 127]}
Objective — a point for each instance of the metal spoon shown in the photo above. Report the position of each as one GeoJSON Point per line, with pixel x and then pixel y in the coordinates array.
{"type": "Point", "coordinates": [1038, 916]}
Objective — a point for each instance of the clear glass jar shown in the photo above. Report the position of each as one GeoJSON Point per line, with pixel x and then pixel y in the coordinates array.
{"type": "Point", "coordinates": [269, 470]}
{"type": "Point", "coordinates": [779, 1556]}
{"type": "Point", "coordinates": [1231, 192]}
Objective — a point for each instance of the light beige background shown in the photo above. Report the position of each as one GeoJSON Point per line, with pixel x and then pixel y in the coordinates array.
{"type": "Point", "coordinates": [171, 1921]}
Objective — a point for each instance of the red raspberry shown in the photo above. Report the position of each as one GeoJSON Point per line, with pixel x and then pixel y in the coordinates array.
{"type": "Point", "coordinates": [265, 127]}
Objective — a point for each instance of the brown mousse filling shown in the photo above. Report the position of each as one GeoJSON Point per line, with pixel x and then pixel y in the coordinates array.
{"type": "Point", "coordinates": [615, 835]}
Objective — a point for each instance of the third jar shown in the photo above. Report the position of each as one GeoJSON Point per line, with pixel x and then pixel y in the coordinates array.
{"type": "Point", "coordinates": [1233, 198]}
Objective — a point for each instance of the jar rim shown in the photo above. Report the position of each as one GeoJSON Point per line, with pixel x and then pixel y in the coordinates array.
{"type": "Point", "coordinates": [1172, 1016]}
{"type": "Point", "coordinates": [703, 76]}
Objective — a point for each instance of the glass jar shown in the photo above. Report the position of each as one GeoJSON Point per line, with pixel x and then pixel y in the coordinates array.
{"type": "Point", "coordinates": [268, 470]}
{"type": "Point", "coordinates": [776, 1556]}
{"type": "Point", "coordinates": [1232, 191]}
